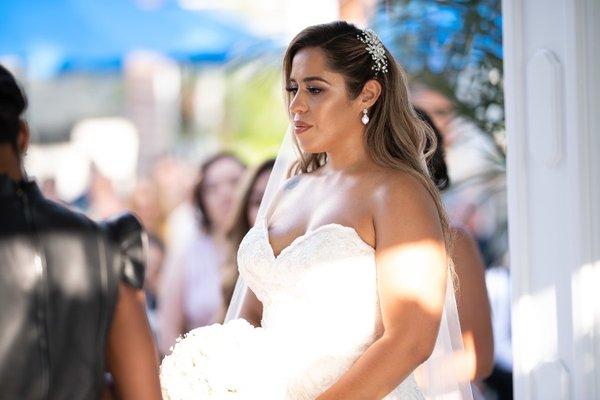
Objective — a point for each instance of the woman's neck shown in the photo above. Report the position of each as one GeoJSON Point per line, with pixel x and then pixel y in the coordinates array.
{"type": "Point", "coordinates": [348, 155]}
{"type": "Point", "coordinates": [10, 164]}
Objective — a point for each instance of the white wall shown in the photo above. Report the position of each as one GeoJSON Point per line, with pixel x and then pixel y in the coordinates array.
{"type": "Point", "coordinates": [552, 63]}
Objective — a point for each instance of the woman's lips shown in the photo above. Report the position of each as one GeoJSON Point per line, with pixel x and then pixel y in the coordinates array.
{"type": "Point", "coordinates": [299, 128]}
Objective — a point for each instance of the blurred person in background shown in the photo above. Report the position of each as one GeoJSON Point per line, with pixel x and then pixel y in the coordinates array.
{"type": "Point", "coordinates": [146, 204]}
{"type": "Point", "coordinates": [71, 302]}
{"type": "Point", "coordinates": [190, 290]}
{"type": "Point", "coordinates": [48, 188]}
{"type": "Point", "coordinates": [252, 189]}
{"type": "Point", "coordinates": [472, 299]}
{"type": "Point", "coordinates": [175, 181]}
{"type": "Point", "coordinates": [103, 199]}
{"type": "Point", "coordinates": [476, 200]}
{"type": "Point", "coordinates": [156, 259]}
{"type": "Point", "coordinates": [439, 109]}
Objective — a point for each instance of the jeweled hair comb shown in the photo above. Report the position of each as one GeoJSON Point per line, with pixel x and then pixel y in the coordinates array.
{"type": "Point", "coordinates": [376, 49]}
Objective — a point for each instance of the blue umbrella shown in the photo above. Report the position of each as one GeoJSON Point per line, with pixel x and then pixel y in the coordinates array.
{"type": "Point", "coordinates": [53, 36]}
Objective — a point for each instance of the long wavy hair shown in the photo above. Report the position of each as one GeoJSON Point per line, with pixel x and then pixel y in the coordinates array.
{"type": "Point", "coordinates": [239, 227]}
{"type": "Point", "coordinates": [395, 136]}
{"type": "Point", "coordinates": [240, 224]}
{"type": "Point", "coordinates": [438, 169]}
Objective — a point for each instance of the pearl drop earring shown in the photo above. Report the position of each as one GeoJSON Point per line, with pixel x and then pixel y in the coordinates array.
{"type": "Point", "coordinates": [365, 117]}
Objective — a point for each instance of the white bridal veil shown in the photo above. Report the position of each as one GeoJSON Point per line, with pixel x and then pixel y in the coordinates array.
{"type": "Point", "coordinates": [440, 376]}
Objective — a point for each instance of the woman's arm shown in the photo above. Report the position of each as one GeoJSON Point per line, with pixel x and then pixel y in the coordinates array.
{"type": "Point", "coordinates": [473, 307]}
{"type": "Point", "coordinates": [411, 274]}
{"type": "Point", "coordinates": [252, 308]}
{"type": "Point", "coordinates": [171, 320]}
{"type": "Point", "coordinates": [131, 354]}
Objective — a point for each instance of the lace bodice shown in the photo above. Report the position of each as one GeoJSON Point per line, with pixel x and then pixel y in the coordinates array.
{"type": "Point", "coordinates": [320, 299]}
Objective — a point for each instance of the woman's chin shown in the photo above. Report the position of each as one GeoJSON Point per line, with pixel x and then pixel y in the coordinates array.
{"type": "Point", "coordinates": [310, 147]}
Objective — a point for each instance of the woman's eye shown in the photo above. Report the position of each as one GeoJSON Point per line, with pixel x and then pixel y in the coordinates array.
{"type": "Point", "coordinates": [311, 90]}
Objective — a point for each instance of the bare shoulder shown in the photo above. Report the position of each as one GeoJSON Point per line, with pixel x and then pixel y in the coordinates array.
{"type": "Point", "coordinates": [403, 209]}
{"type": "Point", "coordinates": [400, 192]}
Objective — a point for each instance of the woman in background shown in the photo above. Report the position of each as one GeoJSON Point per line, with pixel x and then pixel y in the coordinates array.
{"type": "Point", "coordinates": [250, 195]}
{"type": "Point", "coordinates": [190, 293]}
{"type": "Point", "coordinates": [471, 300]}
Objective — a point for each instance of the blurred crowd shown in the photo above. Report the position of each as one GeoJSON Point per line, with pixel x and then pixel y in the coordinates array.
{"type": "Point", "coordinates": [196, 217]}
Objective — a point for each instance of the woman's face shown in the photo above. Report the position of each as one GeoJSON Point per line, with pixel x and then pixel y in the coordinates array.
{"type": "Point", "coordinates": [256, 195]}
{"type": "Point", "coordinates": [220, 185]}
{"type": "Point", "coordinates": [439, 108]}
{"type": "Point", "coordinates": [320, 108]}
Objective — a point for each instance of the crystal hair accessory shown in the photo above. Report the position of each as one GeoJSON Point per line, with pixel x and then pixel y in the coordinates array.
{"type": "Point", "coordinates": [376, 49]}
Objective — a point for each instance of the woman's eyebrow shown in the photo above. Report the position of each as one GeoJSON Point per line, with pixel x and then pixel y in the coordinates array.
{"type": "Point", "coordinates": [311, 78]}
{"type": "Point", "coordinates": [314, 78]}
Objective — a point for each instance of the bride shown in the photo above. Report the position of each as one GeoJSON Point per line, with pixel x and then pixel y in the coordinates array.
{"type": "Point", "coordinates": [347, 269]}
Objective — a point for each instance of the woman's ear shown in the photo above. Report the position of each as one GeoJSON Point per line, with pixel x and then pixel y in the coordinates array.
{"type": "Point", "coordinates": [23, 138]}
{"type": "Point", "coordinates": [370, 93]}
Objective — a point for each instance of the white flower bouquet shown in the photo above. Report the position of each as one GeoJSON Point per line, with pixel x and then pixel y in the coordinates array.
{"type": "Point", "coordinates": [231, 361]}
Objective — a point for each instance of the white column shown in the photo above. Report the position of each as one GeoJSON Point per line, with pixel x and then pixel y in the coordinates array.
{"type": "Point", "coordinates": [552, 87]}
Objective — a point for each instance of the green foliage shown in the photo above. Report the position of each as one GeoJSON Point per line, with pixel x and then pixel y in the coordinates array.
{"type": "Point", "coordinates": [256, 119]}
{"type": "Point", "coordinates": [453, 46]}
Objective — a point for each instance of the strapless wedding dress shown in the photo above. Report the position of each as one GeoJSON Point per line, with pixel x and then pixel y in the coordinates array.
{"type": "Point", "coordinates": [320, 300]}
{"type": "Point", "coordinates": [320, 313]}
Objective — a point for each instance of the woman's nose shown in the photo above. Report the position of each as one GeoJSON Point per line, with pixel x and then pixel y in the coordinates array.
{"type": "Point", "coordinates": [297, 105]}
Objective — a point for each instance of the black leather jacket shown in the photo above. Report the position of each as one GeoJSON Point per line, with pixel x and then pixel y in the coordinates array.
{"type": "Point", "coordinates": [59, 275]}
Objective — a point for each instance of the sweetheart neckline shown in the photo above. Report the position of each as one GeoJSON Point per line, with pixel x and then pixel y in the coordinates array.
{"type": "Point", "coordinates": [308, 234]}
